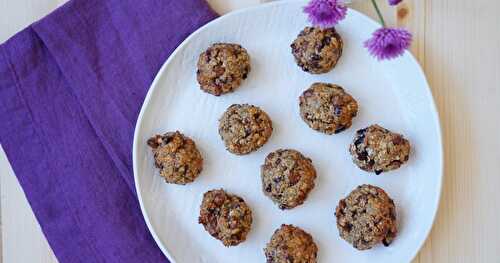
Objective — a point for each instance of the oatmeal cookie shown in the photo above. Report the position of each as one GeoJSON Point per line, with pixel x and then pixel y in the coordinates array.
{"type": "Point", "coordinates": [376, 149]}
{"type": "Point", "coordinates": [290, 244]}
{"type": "Point", "coordinates": [222, 68]}
{"type": "Point", "coordinates": [177, 157]}
{"type": "Point", "coordinates": [287, 178]}
{"type": "Point", "coordinates": [317, 50]}
{"type": "Point", "coordinates": [225, 216]}
{"type": "Point", "coordinates": [327, 108]}
{"type": "Point", "coordinates": [366, 217]}
{"type": "Point", "coordinates": [244, 128]}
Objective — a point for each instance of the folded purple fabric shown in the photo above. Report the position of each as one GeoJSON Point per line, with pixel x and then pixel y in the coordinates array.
{"type": "Point", "coordinates": [71, 87]}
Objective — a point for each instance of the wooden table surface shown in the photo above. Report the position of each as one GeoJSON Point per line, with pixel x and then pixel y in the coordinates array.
{"type": "Point", "coordinates": [457, 42]}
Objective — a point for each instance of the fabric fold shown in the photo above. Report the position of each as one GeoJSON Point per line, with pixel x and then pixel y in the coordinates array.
{"type": "Point", "coordinates": [71, 87]}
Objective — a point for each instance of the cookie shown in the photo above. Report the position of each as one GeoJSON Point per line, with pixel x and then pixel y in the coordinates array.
{"type": "Point", "coordinates": [222, 68]}
{"type": "Point", "coordinates": [376, 149]}
{"type": "Point", "coordinates": [327, 108]}
{"type": "Point", "coordinates": [225, 216]}
{"type": "Point", "coordinates": [366, 217]}
{"type": "Point", "coordinates": [244, 128]}
{"type": "Point", "coordinates": [290, 244]}
{"type": "Point", "coordinates": [287, 178]}
{"type": "Point", "coordinates": [177, 157]}
{"type": "Point", "coordinates": [317, 50]}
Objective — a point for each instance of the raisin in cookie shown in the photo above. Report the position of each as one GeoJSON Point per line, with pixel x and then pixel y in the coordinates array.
{"type": "Point", "coordinates": [225, 216]}
{"type": "Point", "coordinates": [317, 50]}
{"type": "Point", "coordinates": [177, 157]}
{"type": "Point", "coordinates": [222, 68]}
{"type": "Point", "coordinates": [244, 128]}
{"type": "Point", "coordinates": [376, 149]}
{"type": "Point", "coordinates": [327, 108]}
{"type": "Point", "coordinates": [366, 217]}
{"type": "Point", "coordinates": [287, 178]}
{"type": "Point", "coordinates": [290, 244]}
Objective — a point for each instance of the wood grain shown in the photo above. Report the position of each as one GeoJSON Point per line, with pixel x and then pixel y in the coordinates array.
{"type": "Point", "coordinates": [457, 42]}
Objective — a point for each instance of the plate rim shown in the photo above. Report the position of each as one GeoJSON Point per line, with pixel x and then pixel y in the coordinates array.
{"type": "Point", "coordinates": [162, 71]}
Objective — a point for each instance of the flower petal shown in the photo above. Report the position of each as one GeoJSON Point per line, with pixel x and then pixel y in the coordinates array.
{"type": "Point", "coordinates": [325, 13]}
{"type": "Point", "coordinates": [395, 2]}
{"type": "Point", "coordinates": [388, 43]}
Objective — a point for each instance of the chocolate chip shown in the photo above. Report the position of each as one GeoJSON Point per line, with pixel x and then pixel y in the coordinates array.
{"type": "Point", "coordinates": [359, 140]}
{"type": "Point", "coordinates": [362, 131]}
{"type": "Point", "coordinates": [386, 243]}
{"type": "Point", "coordinates": [324, 42]}
{"type": "Point", "coordinates": [315, 57]}
{"type": "Point", "coordinates": [153, 142]}
{"type": "Point", "coordinates": [337, 110]}
{"type": "Point", "coordinates": [363, 156]}
{"type": "Point", "coordinates": [378, 172]}
{"type": "Point", "coordinates": [340, 129]}
{"type": "Point", "coordinates": [268, 188]}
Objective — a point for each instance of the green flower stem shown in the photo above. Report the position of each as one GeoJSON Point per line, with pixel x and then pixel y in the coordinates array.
{"type": "Point", "coordinates": [378, 13]}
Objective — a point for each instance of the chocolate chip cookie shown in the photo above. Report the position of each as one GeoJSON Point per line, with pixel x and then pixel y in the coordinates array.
{"type": "Point", "coordinates": [222, 68]}
{"type": "Point", "coordinates": [287, 178]}
{"type": "Point", "coordinates": [290, 244]}
{"type": "Point", "coordinates": [366, 217]}
{"type": "Point", "coordinates": [327, 108]}
{"type": "Point", "coordinates": [317, 50]}
{"type": "Point", "coordinates": [225, 216]}
{"type": "Point", "coordinates": [244, 128]}
{"type": "Point", "coordinates": [177, 157]}
{"type": "Point", "coordinates": [376, 149]}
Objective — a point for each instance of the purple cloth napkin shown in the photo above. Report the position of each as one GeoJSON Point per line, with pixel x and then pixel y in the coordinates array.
{"type": "Point", "coordinates": [71, 87]}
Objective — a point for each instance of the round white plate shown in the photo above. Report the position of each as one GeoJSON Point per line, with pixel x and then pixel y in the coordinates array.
{"type": "Point", "coordinates": [393, 94]}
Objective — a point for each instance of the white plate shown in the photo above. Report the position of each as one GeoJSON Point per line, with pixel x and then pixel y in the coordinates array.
{"type": "Point", "coordinates": [394, 94]}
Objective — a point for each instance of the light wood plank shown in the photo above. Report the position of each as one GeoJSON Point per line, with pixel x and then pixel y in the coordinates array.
{"type": "Point", "coordinates": [365, 6]}
{"type": "Point", "coordinates": [457, 43]}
